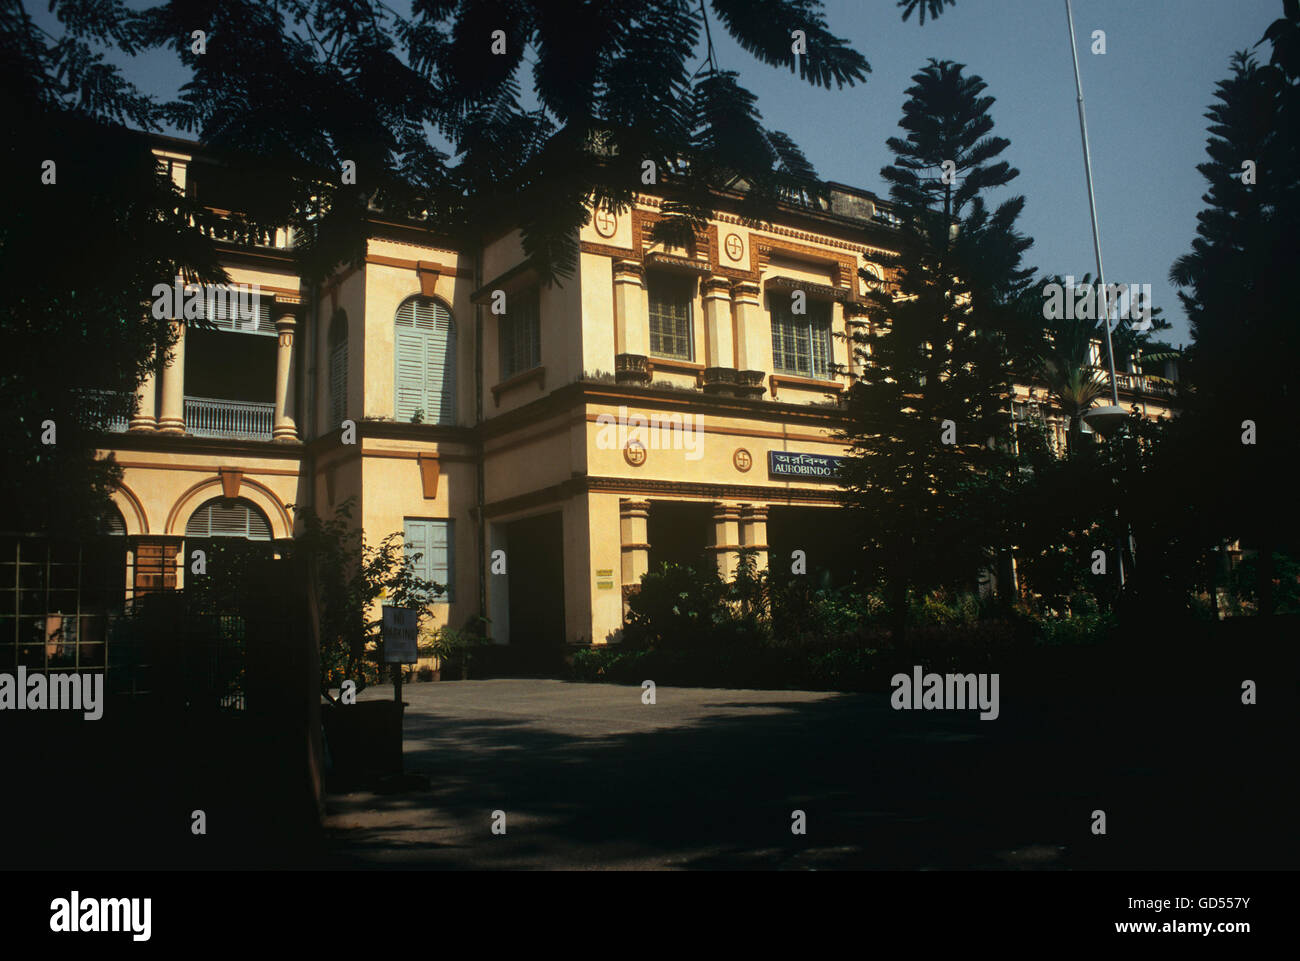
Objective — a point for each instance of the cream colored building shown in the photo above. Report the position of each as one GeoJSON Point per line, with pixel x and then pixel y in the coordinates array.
{"type": "Point", "coordinates": [541, 446]}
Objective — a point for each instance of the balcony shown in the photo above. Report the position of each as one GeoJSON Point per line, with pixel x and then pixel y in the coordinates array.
{"type": "Point", "coordinates": [1144, 384]}
{"type": "Point", "coordinates": [238, 419]}
{"type": "Point", "coordinates": [232, 228]}
{"type": "Point", "coordinates": [96, 405]}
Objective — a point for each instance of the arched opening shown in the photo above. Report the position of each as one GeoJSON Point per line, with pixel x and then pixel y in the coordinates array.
{"type": "Point", "coordinates": [226, 540]}
{"type": "Point", "coordinates": [424, 381]}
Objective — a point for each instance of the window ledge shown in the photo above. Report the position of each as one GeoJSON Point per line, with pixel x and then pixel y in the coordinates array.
{"type": "Point", "coordinates": [671, 365]}
{"type": "Point", "coordinates": [793, 380]}
{"type": "Point", "coordinates": [537, 374]}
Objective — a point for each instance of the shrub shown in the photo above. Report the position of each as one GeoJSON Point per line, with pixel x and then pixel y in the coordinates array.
{"type": "Point", "coordinates": [593, 663]}
{"type": "Point", "coordinates": [677, 606]}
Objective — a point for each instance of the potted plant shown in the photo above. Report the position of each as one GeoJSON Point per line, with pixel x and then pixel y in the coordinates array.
{"type": "Point", "coordinates": [347, 579]}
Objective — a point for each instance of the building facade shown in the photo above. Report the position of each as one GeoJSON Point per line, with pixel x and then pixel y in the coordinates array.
{"type": "Point", "coordinates": [541, 447]}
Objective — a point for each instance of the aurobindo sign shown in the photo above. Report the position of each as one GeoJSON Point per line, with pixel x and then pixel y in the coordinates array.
{"type": "Point", "coordinates": [782, 463]}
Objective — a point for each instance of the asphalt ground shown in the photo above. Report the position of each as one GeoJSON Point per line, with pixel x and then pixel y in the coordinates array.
{"type": "Point", "coordinates": [589, 777]}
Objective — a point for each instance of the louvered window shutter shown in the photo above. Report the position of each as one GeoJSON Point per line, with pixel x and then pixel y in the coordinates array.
{"type": "Point", "coordinates": [338, 383]}
{"type": "Point", "coordinates": [416, 541]}
{"type": "Point", "coordinates": [410, 350]}
{"type": "Point", "coordinates": [440, 347]}
{"type": "Point", "coordinates": [425, 348]}
{"type": "Point", "coordinates": [440, 555]}
{"type": "Point", "coordinates": [225, 316]}
{"type": "Point", "coordinates": [433, 541]}
{"type": "Point", "coordinates": [222, 518]}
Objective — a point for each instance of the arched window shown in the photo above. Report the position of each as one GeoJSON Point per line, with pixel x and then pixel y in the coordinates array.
{"type": "Point", "coordinates": [220, 517]}
{"type": "Point", "coordinates": [338, 345]}
{"type": "Point", "coordinates": [425, 351]}
{"type": "Point", "coordinates": [110, 522]}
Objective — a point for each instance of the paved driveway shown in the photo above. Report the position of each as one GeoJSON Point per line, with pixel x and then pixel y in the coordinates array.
{"type": "Point", "coordinates": [589, 777]}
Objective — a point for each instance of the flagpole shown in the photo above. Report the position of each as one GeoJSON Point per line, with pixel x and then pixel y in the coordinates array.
{"type": "Point", "coordinates": [1096, 231]}
{"type": "Point", "coordinates": [1092, 205]}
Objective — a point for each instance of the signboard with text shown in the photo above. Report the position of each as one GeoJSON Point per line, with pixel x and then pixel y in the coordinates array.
{"type": "Point", "coordinates": [781, 463]}
{"type": "Point", "coordinates": [401, 631]}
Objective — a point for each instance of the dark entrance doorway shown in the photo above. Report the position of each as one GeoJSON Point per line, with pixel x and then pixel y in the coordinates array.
{"type": "Point", "coordinates": [679, 533]}
{"type": "Point", "coordinates": [832, 552]}
{"type": "Point", "coordinates": [535, 565]}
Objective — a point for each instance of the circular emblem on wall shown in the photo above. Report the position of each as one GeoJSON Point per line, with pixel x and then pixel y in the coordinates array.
{"type": "Point", "coordinates": [634, 453]}
{"type": "Point", "coordinates": [606, 222]}
{"type": "Point", "coordinates": [874, 277]}
{"type": "Point", "coordinates": [742, 459]}
{"type": "Point", "coordinates": [734, 246]}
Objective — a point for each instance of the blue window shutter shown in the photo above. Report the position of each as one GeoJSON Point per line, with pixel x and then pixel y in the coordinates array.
{"type": "Point", "coordinates": [425, 362]}
{"type": "Point", "coordinates": [409, 381]}
{"type": "Point", "coordinates": [440, 364]}
{"type": "Point", "coordinates": [441, 553]}
{"type": "Point", "coordinates": [416, 541]}
{"type": "Point", "coordinates": [433, 540]}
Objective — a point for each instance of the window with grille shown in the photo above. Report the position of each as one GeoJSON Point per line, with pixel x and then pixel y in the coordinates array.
{"type": "Point", "coordinates": [220, 517]}
{"type": "Point", "coordinates": [425, 352]}
{"type": "Point", "coordinates": [670, 315]}
{"type": "Point", "coordinates": [801, 343]}
{"type": "Point", "coordinates": [430, 544]}
{"type": "Point", "coordinates": [338, 343]}
{"type": "Point", "coordinates": [57, 599]}
{"type": "Point", "coordinates": [520, 329]}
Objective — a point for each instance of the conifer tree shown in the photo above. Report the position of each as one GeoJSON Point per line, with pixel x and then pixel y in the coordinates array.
{"type": "Point", "coordinates": [1239, 413]}
{"type": "Point", "coordinates": [930, 412]}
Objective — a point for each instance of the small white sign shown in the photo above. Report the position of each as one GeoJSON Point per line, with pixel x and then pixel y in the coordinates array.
{"type": "Point", "coordinates": [401, 629]}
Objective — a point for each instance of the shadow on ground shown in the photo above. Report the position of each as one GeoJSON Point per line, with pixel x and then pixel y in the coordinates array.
{"type": "Point", "coordinates": [709, 778]}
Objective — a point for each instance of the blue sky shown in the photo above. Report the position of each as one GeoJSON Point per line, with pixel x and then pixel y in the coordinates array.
{"type": "Point", "coordinates": [1145, 97]}
{"type": "Point", "coordinates": [1145, 100]}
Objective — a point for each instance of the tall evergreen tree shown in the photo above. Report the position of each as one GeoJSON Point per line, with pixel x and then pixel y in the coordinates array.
{"type": "Point", "coordinates": [930, 412]}
{"type": "Point", "coordinates": [1240, 409]}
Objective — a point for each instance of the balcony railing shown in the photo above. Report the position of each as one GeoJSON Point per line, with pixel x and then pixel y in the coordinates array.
{"type": "Point", "coordinates": [96, 402]}
{"type": "Point", "coordinates": [1143, 384]}
{"type": "Point", "coordinates": [232, 228]}
{"type": "Point", "coordinates": [241, 419]}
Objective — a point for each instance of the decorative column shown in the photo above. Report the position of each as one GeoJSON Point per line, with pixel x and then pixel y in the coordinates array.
{"type": "Point", "coordinates": [753, 532]}
{"type": "Point", "coordinates": [726, 537]}
{"type": "Point", "coordinates": [753, 338]}
{"type": "Point", "coordinates": [285, 429]}
{"type": "Point", "coordinates": [172, 418]}
{"type": "Point", "coordinates": [720, 354]}
{"type": "Point", "coordinates": [146, 394]}
{"type": "Point", "coordinates": [633, 520]}
{"type": "Point", "coordinates": [631, 325]}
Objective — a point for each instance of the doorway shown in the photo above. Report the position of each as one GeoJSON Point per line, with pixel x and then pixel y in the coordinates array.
{"type": "Point", "coordinates": [535, 552]}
